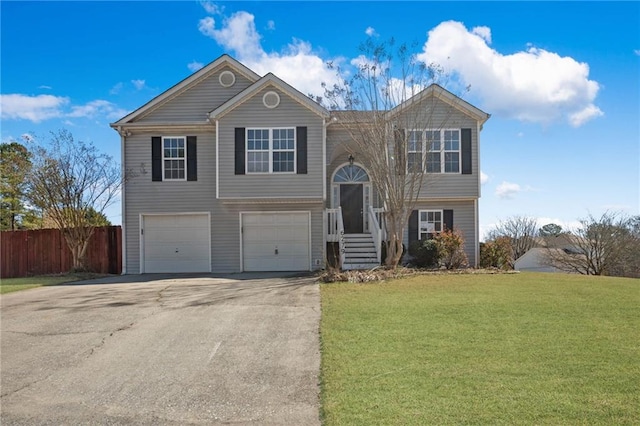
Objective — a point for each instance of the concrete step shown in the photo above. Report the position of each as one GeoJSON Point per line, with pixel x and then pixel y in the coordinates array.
{"type": "Point", "coordinates": [357, 266]}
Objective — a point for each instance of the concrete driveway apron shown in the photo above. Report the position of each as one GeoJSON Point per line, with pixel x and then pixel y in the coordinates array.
{"type": "Point", "coordinates": [241, 349]}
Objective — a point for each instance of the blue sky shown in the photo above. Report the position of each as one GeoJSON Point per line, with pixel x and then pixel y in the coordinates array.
{"type": "Point", "coordinates": [561, 80]}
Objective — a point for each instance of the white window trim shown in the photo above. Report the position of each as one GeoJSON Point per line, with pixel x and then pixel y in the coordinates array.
{"type": "Point", "coordinates": [420, 221]}
{"type": "Point", "coordinates": [164, 178]}
{"type": "Point", "coordinates": [442, 150]}
{"type": "Point", "coordinates": [271, 150]}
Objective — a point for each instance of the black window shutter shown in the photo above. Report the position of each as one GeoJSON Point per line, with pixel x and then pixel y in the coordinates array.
{"type": "Point", "coordinates": [465, 138]}
{"type": "Point", "coordinates": [447, 218]}
{"type": "Point", "coordinates": [240, 151]}
{"type": "Point", "coordinates": [301, 150]}
{"type": "Point", "coordinates": [400, 147]}
{"type": "Point", "coordinates": [156, 158]}
{"type": "Point", "coordinates": [413, 226]}
{"type": "Point", "coordinates": [192, 158]}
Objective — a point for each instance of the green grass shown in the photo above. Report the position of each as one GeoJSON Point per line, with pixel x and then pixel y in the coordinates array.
{"type": "Point", "coordinates": [482, 349]}
{"type": "Point", "coordinates": [8, 285]}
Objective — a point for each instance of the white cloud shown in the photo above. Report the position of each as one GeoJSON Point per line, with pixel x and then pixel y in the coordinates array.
{"type": "Point", "coordinates": [45, 87]}
{"type": "Point", "coordinates": [507, 190]}
{"type": "Point", "coordinates": [211, 8]}
{"type": "Point", "coordinates": [116, 89]}
{"type": "Point", "coordinates": [271, 25]}
{"type": "Point", "coordinates": [45, 107]}
{"type": "Point", "coordinates": [637, 52]}
{"type": "Point", "coordinates": [33, 108]}
{"type": "Point", "coordinates": [138, 84]}
{"type": "Point", "coordinates": [534, 85]}
{"type": "Point", "coordinates": [97, 108]}
{"type": "Point", "coordinates": [195, 66]}
{"type": "Point", "coordinates": [371, 32]}
{"type": "Point", "coordinates": [484, 32]}
{"type": "Point", "coordinates": [238, 34]}
{"type": "Point", "coordinates": [484, 178]}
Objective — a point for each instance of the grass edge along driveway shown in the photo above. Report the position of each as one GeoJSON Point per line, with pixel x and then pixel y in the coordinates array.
{"type": "Point", "coordinates": [482, 349]}
{"type": "Point", "coordinates": [9, 285]}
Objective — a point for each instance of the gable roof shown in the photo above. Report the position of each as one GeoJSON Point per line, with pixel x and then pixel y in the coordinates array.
{"type": "Point", "coordinates": [444, 95]}
{"type": "Point", "coordinates": [265, 81]}
{"type": "Point", "coordinates": [185, 84]}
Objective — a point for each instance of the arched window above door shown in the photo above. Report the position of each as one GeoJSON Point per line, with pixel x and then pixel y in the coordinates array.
{"type": "Point", "coordinates": [350, 173]}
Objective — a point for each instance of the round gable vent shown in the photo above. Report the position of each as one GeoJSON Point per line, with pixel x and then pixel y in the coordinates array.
{"type": "Point", "coordinates": [227, 78]}
{"type": "Point", "coordinates": [271, 99]}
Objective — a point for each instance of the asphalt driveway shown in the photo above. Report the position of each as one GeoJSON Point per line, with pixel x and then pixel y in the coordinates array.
{"type": "Point", "coordinates": [240, 349]}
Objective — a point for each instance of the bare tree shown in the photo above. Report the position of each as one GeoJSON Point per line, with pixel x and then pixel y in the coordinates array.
{"type": "Point", "coordinates": [71, 182]}
{"type": "Point", "coordinates": [382, 110]}
{"type": "Point", "coordinates": [521, 232]}
{"type": "Point", "coordinates": [608, 245]}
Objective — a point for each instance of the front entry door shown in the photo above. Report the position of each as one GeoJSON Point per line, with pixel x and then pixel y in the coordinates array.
{"type": "Point", "coordinates": [351, 203]}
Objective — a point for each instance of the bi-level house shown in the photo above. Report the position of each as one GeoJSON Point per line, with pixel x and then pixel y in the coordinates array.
{"type": "Point", "coordinates": [236, 172]}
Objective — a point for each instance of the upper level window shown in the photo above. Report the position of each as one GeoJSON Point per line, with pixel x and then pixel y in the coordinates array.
{"type": "Point", "coordinates": [430, 223]}
{"type": "Point", "coordinates": [439, 149]}
{"type": "Point", "coordinates": [271, 150]}
{"type": "Point", "coordinates": [174, 155]}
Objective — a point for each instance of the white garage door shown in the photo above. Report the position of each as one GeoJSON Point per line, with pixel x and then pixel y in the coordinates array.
{"type": "Point", "coordinates": [176, 243]}
{"type": "Point", "coordinates": [275, 241]}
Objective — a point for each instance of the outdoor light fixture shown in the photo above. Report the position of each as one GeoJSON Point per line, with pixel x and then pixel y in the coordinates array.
{"type": "Point", "coordinates": [350, 159]}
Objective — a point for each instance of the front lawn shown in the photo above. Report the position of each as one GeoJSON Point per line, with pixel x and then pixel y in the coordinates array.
{"type": "Point", "coordinates": [8, 285]}
{"type": "Point", "coordinates": [482, 349]}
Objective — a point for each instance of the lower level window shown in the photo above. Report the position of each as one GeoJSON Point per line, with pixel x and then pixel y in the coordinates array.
{"type": "Point", "coordinates": [174, 156]}
{"type": "Point", "coordinates": [430, 224]}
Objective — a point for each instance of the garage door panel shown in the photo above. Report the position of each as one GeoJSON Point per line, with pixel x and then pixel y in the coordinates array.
{"type": "Point", "coordinates": [177, 243]}
{"type": "Point", "coordinates": [265, 232]}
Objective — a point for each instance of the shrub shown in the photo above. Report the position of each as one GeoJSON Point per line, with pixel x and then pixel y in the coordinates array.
{"type": "Point", "coordinates": [450, 249]}
{"type": "Point", "coordinates": [496, 254]}
{"type": "Point", "coordinates": [424, 253]}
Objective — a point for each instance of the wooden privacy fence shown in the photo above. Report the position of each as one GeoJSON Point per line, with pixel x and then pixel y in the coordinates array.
{"type": "Point", "coordinates": [45, 251]}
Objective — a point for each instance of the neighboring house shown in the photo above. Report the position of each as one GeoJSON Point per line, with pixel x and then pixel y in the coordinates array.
{"type": "Point", "coordinates": [236, 172]}
{"type": "Point", "coordinates": [538, 258]}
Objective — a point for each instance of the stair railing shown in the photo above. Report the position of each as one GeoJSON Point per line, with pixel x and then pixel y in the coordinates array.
{"type": "Point", "coordinates": [376, 231]}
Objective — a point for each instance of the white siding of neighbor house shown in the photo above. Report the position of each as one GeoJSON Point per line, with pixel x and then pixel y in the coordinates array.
{"type": "Point", "coordinates": [253, 114]}
{"type": "Point", "coordinates": [195, 103]}
{"type": "Point", "coordinates": [463, 220]}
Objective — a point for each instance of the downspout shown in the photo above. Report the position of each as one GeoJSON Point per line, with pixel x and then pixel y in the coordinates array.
{"type": "Point", "coordinates": [122, 203]}
{"type": "Point", "coordinates": [324, 192]}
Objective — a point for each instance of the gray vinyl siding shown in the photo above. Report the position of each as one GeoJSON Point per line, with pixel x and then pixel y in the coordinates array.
{"type": "Point", "coordinates": [253, 114]}
{"type": "Point", "coordinates": [226, 235]}
{"type": "Point", "coordinates": [436, 114]}
{"type": "Point", "coordinates": [144, 196]}
{"type": "Point", "coordinates": [436, 185]}
{"type": "Point", "coordinates": [463, 220]}
{"type": "Point", "coordinates": [195, 103]}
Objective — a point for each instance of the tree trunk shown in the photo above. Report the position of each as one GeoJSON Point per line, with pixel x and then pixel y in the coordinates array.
{"type": "Point", "coordinates": [394, 243]}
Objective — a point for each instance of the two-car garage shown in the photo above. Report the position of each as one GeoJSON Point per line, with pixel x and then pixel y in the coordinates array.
{"type": "Point", "coordinates": [269, 241]}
